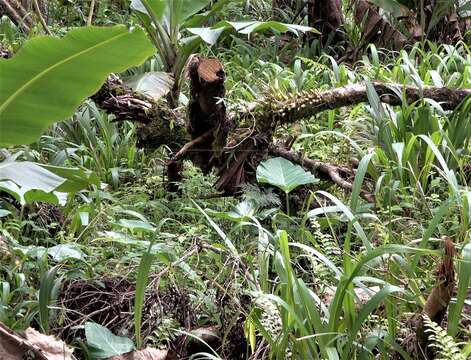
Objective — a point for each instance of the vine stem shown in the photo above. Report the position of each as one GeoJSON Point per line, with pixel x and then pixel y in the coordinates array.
{"type": "Point", "coordinates": [41, 18]}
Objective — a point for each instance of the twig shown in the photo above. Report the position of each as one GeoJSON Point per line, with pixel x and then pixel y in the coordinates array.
{"type": "Point", "coordinates": [156, 278]}
{"type": "Point", "coordinates": [90, 13]}
{"type": "Point", "coordinates": [189, 145]}
{"type": "Point", "coordinates": [40, 17]}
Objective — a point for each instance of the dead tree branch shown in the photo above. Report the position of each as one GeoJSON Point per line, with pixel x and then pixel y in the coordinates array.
{"type": "Point", "coordinates": [18, 14]}
{"type": "Point", "coordinates": [309, 103]}
{"type": "Point", "coordinates": [191, 144]}
{"type": "Point", "coordinates": [39, 14]}
{"type": "Point", "coordinates": [157, 123]}
{"type": "Point", "coordinates": [214, 139]}
{"type": "Point", "coordinates": [90, 13]}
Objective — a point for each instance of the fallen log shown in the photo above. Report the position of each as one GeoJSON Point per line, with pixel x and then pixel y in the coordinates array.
{"type": "Point", "coordinates": [210, 137]}
{"type": "Point", "coordinates": [309, 103]}
{"type": "Point", "coordinates": [270, 113]}
{"type": "Point", "coordinates": [125, 104]}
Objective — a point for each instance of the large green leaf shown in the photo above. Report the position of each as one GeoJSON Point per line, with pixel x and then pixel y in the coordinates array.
{"type": "Point", "coordinates": [29, 175]}
{"type": "Point", "coordinates": [75, 179]}
{"type": "Point", "coordinates": [210, 35]}
{"type": "Point", "coordinates": [241, 212]}
{"type": "Point", "coordinates": [156, 6]}
{"type": "Point", "coordinates": [28, 181]}
{"type": "Point", "coordinates": [49, 77]}
{"type": "Point", "coordinates": [283, 174]}
{"type": "Point", "coordinates": [25, 195]}
{"type": "Point", "coordinates": [102, 343]}
{"type": "Point", "coordinates": [177, 10]}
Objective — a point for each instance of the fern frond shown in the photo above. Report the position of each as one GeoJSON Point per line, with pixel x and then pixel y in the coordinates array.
{"type": "Point", "coordinates": [261, 198]}
{"type": "Point", "coordinates": [445, 346]}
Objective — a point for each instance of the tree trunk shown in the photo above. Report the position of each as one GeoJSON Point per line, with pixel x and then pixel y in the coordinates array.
{"type": "Point", "coordinates": [326, 16]}
{"type": "Point", "coordinates": [376, 29]}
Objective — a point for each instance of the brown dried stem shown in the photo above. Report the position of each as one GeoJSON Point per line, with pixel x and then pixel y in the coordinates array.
{"type": "Point", "coordinates": [438, 300]}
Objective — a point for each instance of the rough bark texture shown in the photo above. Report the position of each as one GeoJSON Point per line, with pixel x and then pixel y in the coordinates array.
{"type": "Point", "coordinates": [311, 103]}
{"type": "Point", "coordinates": [207, 111]}
{"type": "Point", "coordinates": [157, 124]}
{"type": "Point", "coordinates": [437, 302]}
{"type": "Point", "coordinates": [442, 22]}
{"type": "Point", "coordinates": [327, 17]}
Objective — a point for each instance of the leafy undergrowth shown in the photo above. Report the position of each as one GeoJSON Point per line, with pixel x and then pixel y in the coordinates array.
{"type": "Point", "coordinates": [294, 267]}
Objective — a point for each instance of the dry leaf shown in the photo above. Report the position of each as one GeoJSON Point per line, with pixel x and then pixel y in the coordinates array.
{"type": "Point", "coordinates": [52, 348]}
{"type": "Point", "coordinates": [145, 354]}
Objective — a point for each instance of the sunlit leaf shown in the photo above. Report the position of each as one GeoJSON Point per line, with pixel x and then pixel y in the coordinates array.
{"type": "Point", "coordinates": [283, 174]}
{"type": "Point", "coordinates": [34, 93]}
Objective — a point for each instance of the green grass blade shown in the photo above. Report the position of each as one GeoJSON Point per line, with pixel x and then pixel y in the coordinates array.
{"type": "Point", "coordinates": [464, 276]}
{"type": "Point", "coordinates": [45, 289]}
{"type": "Point", "coordinates": [141, 285]}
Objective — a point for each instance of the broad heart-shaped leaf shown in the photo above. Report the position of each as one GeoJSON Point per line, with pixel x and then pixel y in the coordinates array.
{"type": "Point", "coordinates": [65, 251]}
{"type": "Point", "coordinates": [102, 343]}
{"type": "Point", "coordinates": [208, 35]}
{"type": "Point", "coordinates": [247, 27]}
{"type": "Point", "coordinates": [138, 225]}
{"type": "Point", "coordinates": [48, 78]}
{"type": "Point", "coordinates": [28, 196]}
{"type": "Point", "coordinates": [154, 84]}
{"type": "Point", "coordinates": [240, 212]}
{"type": "Point", "coordinates": [283, 174]}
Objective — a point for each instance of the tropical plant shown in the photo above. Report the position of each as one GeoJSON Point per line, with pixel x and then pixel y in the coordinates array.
{"type": "Point", "coordinates": [90, 54]}
{"type": "Point", "coordinates": [166, 22]}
